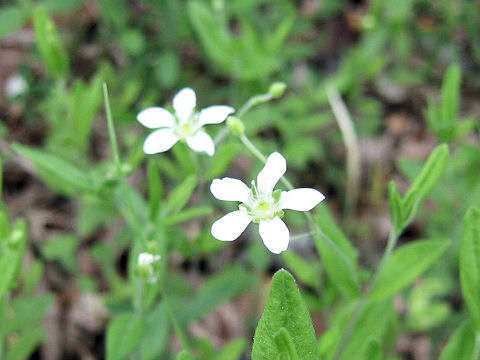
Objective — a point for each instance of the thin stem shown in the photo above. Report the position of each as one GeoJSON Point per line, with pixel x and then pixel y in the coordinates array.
{"type": "Point", "coordinates": [253, 149]}
{"type": "Point", "coordinates": [253, 101]}
{"type": "Point", "coordinates": [349, 136]}
{"type": "Point", "coordinates": [111, 130]}
{"type": "Point", "coordinates": [476, 350]}
{"type": "Point", "coordinates": [301, 236]}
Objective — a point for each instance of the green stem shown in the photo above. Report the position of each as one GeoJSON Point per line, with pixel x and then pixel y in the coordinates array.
{"type": "Point", "coordinates": [111, 130]}
{"type": "Point", "coordinates": [253, 149]}
{"type": "Point", "coordinates": [253, 101]}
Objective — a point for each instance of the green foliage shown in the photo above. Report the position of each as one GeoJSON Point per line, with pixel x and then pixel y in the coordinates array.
{"type": "Point", "coordinates": [49, 44]}
{"type": "Point", "coordinates": [402, 211]}
{"type": "Point", "coordinates": [338, 256]}
{"type": "Point", "coordinates": [405, 265]}
{"type": "Point", "coordinates": [461, 344]}
{"type": "Point", "coordinates": [444, 119]}
{"type": "Point", "coordinates": [470, 264]}
{"type": "Point", "coordinates": [11, 18]}
{"type": "Point", "coordinates": [124, 334]}
{"type": "Point", "coordinates": [58, 173]}
{"type": "Point", "coordinates": [285, 326]}
{"type": "Point", "coordinates": [250, 54]}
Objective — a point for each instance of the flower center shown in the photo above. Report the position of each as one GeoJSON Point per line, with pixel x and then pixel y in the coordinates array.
{"type": "Point", "coordinates": [263, 206]}
{"type": "Point", "coordinates": [186, 130]}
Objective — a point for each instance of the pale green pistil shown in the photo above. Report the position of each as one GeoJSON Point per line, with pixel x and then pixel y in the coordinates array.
{"type": "Point", "coordinates": [262, 210]}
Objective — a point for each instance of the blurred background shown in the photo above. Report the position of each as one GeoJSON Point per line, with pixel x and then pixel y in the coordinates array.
{"type": "Point", "coordinates": [399, 67]}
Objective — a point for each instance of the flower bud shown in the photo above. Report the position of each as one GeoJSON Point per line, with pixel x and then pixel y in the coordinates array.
{"type": "Point", "coordinates": [277, 89]}
{"type": "Point", "coordinates": [235, 125]}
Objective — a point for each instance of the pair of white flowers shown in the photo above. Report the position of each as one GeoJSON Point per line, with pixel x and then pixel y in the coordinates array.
{"type": "Point", "coordinates": [260, 203]}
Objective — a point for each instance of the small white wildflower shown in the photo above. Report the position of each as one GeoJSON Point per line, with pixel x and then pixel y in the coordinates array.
{"type": "Point", "coordinates": [185, 124]}
{"type": "Point", "coordinates": [262, 205]}
{"type": "Point", "coordinates": [15, 85]}
{"type": "Point", "coordinates": [146, 263]}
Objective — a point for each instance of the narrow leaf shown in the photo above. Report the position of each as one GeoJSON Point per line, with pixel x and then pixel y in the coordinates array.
{"type": "Point", "coordinates": [405, 265]}
{"type": "Point", "coordinates": [470, 263]}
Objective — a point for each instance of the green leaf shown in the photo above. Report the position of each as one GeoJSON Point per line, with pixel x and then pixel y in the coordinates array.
{"type": "Point", "coordinates": [430, 173]}
{"type": "Point", "coordinates": [395, 207]}
{"type": "Point", "coordinates": [374, 321]}
{"type": "Point", "coordinates": [12, 256]}
{"type": "Point", "coordinates": [84, 103]}
{"type": "Point", "coordinates": [221, 161]}
{"type": "Point", "coordinates": [405, 265]}
{"type": "Point", "coordinates": [219, 288]}
{"type": "Point", "coordinates": [187, 214]}
{"type": "Point", "coordinates": [59, 174]}
{"type": "Point", "coordinates": [233, 350]}
{"type": "Point", "coordinates": [338, 255]}
{"type": "Point", "coordinates": [450, 95]}
{"type": "Point", "coordinates": [215, 40]}
{"type": "Point", "coordinates": [62, 248]}
{"type": "Point", "coordinates": [373, 350]}
{"type": "Point", "coordinates": [285, 345]}
{"type": "Point", "coordinates": [308, 272]}
{"type": "Point", "coordinates": [461, 343]}
{"type": "Point", "coordinates": [49, 44]}
{"type": "Point", "coordinates": [11, 19]}
{"type": "Point", "coordinates": [26, 344]}
{"type": "Point", "coordinates": [123, 336]}
{"type": "Point", "coordinates": [27, 311]}
{"type": "Point", "coordinates": [470, 263]}
{"type": "Point", "coordinates": [8, 266]}
{"type": "Point", "coordinates": [180, 195]}
{"type": "Point", "coordinates": [286, 309]}
{"type": "Point", "coordinates": [184, 355]}
{"type": "Point", "coordinates": [156, 337]}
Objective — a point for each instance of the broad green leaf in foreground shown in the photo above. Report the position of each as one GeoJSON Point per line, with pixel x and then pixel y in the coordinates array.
{"type": "Point", "coordinates": [470, 263]}
{"type": "Point", "coordinates": [285, 309]}
{"type": "Point", "coordinates": [405, 265]}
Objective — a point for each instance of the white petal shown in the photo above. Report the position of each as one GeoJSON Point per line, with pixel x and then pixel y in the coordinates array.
{"type": "Point", "coordinates": [229, 189]}
{"type": "Point", "coordinates": [159, 141]}
{"type": "Point", "coordinates": [275, 235]}
{"type": "Point", "coordinates": [214, 114]}
{"type": "Point", "coordinates": [155, 117]}
{"type": "Point", "coordinates": [273, 170]}
{"type": "Point", "coordinates": [231, 226]}
{"type": "Point", "coordinates": [184, 103]}
{"type": "Point", "coordinates": [201, 142]}
{"type": "Point", "coordinates": [303, 199]}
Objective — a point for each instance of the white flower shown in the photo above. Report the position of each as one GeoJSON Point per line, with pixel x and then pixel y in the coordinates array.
{"type": "Point", "coordinates": [15, 86]}
{"type": "Point", "coordinates": [261, 205]}
{"type": "Point", "coordinates": [146, 263]}
{"type": "Point", "coordinates": [185, 124]}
